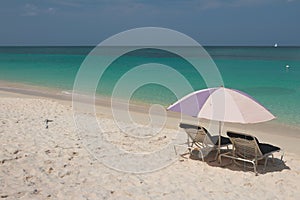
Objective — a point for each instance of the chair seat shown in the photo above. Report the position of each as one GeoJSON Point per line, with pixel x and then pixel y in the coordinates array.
{"type": "Point", "coordinates": [267, 148]}
{"type": "Point", "coordinates": [224, 140]}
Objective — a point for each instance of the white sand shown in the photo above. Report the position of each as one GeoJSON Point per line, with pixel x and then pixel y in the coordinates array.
{"type": "Point", "coordinates": [57, 163]}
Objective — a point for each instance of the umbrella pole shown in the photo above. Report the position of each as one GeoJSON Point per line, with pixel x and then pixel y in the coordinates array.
{"type": "Point", "coordinates": [219, 141]}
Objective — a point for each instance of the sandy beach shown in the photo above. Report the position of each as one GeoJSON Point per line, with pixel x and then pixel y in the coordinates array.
{"type": "Point", "coordinates": [58, 163]}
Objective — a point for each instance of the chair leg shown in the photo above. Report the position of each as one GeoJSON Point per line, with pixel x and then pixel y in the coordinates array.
{"type": "Point", "coordinates": [220, 159]}
{"type": "Point", "coordinates": [200, 152]}
{"type": "Point", "coordinates": [254, 166]}
{"type": "Point", "coordinates": [282, 154]}
{"type": "Point", "coordinates": [175, 150]}
{"type": "Point", "coordinates": [217, 155]}
{"type": "Point", "coordinates": [266, 161]}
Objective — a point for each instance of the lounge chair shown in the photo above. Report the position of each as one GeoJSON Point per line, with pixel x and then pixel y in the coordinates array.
{"type": "Point", "coordinates": [201, 139]}
{"type": "Point", "coordinates": [247, 148]}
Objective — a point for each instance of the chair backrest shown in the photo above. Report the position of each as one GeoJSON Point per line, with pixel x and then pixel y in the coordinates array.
{"type": "Point", "coordinates": [198, 134]}
{"type": "Point", "coordinates": [244, 145]}
{"type": "Point", "coordinates": [186, 126]}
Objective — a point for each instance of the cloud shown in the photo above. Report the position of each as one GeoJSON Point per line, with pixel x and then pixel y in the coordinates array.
{"type": "Point", "coordinates": [30, 10]}
{"type": "Point", "coordinates": [50, 10]}
{"type": "Point", "coordinates": [212, 4]}
{"type": "Point", "coordinates": [69, 3]}
{"type": "Point", "coordinates": [127, 7]}
{"type": "Point", "coordinates": [33, 10]}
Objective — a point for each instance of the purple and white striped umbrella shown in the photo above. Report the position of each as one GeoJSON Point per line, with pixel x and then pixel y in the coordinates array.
{"type": "Point", "coordinates": [223, 105]}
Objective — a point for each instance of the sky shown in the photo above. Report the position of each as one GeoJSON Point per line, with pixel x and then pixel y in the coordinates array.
{"type": "Point", "coordinates": [210, 22]}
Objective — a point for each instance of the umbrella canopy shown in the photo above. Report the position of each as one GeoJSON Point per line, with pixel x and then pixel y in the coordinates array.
{"type": "Point", "coordinates": [222, 104]}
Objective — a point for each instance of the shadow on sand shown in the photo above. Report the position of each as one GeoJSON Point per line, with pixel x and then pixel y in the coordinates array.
{"type": "Point", "coordinates": [273, 165]}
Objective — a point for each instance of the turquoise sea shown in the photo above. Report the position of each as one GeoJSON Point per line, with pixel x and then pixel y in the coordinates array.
{"type": "Point", "coordinates": [259, 71]}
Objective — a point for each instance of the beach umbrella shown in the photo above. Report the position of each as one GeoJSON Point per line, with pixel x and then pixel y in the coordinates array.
{"type": "Point", "coordinates": [222, 105]}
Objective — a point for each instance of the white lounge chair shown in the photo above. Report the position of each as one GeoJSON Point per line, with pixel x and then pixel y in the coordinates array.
{"type": "Point", "coordinates": [247, 148]}
{"type": "Point", "coordinates": [202, 140]}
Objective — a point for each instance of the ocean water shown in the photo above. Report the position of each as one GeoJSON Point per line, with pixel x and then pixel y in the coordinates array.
{"type": "Point", "coordinates": [259, 71]}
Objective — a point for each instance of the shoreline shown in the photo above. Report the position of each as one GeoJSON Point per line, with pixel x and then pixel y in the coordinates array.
{"type": "Point", "coordinates": [66, 96]}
